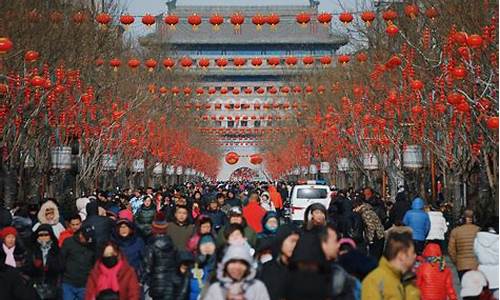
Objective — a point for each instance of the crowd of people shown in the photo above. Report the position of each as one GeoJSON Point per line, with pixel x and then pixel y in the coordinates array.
{"type": "Point", "coordinates": [233, 241]}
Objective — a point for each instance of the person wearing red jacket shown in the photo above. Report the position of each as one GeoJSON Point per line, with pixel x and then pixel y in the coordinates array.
{"type": "Point", "coordinates": [275, 197]}
{"type": "Point", "coordinates": [112, 277]}
{"type": "Point", "coordinates": [434, 278]}
{"type": "Point", "coordinates": [253, 213]}
{"type": "Point", "coordinates": [75, 222]}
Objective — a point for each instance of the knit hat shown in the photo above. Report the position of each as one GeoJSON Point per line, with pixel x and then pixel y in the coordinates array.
{"type": "Point", "coordinates": [8, 230]}
{"type": "Point", "coordinates": [348, 241]}
{"type": "Point", "coordinates": [126, 214]}
{"type": "Point", "coordinates": [206, 238]}
{"type": "Point", "coordinates": [159, 225]}
{"type": "Point", "coordinates": [472, 284]}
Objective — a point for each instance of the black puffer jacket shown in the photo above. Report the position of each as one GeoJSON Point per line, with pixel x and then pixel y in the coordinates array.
{"type": "Point", "coordinates": [103, 226]}
{"type": "Point", "coordinates": [144, 218]}
{"type": "Point", "coordinates": [159, 269]}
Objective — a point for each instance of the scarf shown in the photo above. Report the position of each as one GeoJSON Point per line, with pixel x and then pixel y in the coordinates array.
{"type": "Point", "coordinates": [437, 260]}
{"type": "Point", "coordinates": [108, 278]}
{"type": "Point", "coordinates": [9, 259]}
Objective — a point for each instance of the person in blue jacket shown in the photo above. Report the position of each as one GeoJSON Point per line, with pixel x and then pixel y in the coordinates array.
{"type": "Point", "coordinates": [130, 242]}
{"type": "Point", "coordinates": [418, 220]}
{"type": "Point", "coordinates": [204, 267]}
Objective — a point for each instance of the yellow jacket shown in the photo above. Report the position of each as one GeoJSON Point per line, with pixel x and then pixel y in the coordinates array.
{"type": "Point", "coordinates": [385, 283]}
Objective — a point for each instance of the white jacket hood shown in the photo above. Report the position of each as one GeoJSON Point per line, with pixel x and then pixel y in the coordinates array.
{"type": "Point", "coordinates": [486, 250]}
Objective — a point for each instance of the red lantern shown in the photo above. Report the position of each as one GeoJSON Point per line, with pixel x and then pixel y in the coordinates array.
{"type": "Point", "coordinates": [163, 90]}
{"type": "Point", "coordinates": [103, 19]}
{"type": "Point", "coordinates": [236, 91]}
{"type": "Point", "coordinates": [460, 38]}
{"type": "Point", "coordinates": [411, 10]}
{"type": "Point", "coordinates": [297, 89]}
{"type": "Point", "coordinates": [115, 63]}
{"type": "Point", "coordinates": [474, 41]}
{"type": "Point", "coordinates": [346, 17]}
{"type": "Point", "coordinates": [463, 107]}
{"type": "Point", "coordinates": [389, 15]}
{"type": "Point", "coordinates": [285, 90]}
{"type": "Point", "coordinates": [432, 13]}
{"type": "Point", "coordinates": [56, 17]}
{"type": "Point", "coordinates": [212, 90]}
{"type": "Point", "coordinates": [256, 159]}
{"type": "Point", "coordinates": [127, 20]}
{"type": "Point", "coordinates": [308, 60]}
{"type": "Point", "coordinates": [232, 158]}
{"type": "Point", "coordinates": [303, 18]}
{"type": "Point", "coordinates": [273, 90]}
{"type": "Point", "coordinates": [31, 56]}
{"type": "Point", "coordinates": [79, 18]}
{"type": "Point", "coordinates": [134, 63]}
{"type": "Point", "coordinates": [393, 62]}
{"type": "Point", "coordinates": [362, 57]}
{"type": "Point", "coordinates": [459, 72]}
{"type": "Point", "coordinates": [256, 61]}
{"type": "Point", "coordinates": [187, 91]}
{"type": "Point", "coordinates": [417, 110]}
{"type": "Point", "coordinates": [248, 90]}
{"type": "Point", "coordinates": [199, 91]}
{"type": "Point", "coordinates": [321, 89]}
{"type": "Point", "coordinates": [392, 30]}
{"type": "Point", "coordinates": [239, 61]}
{"type": "Point", "coordinates": [273, 20]}
{"type": "Point", "coordinates": [417, 85]}
{"type": "Point", "coordinates": [325, 18]}
{"type": "Point", "coordinates": [291, 61]}
{"type": "Point", "coordinates": [151, 64]}
{"type": "Point", "coordinates": [194, 20]}
{"type": "Point", "coordinates": [204, 63]}
{"type": "Point", "coordinates": [237, 20]}
{"type": "Point", "coordinates": [368, 17]}
{"type": "Point", "coordinates": [258, 20]}
{"type": "Point", "coordinates": [221, 62]}
{"type": "Point", "coordinates": [37, 81]}
{"type": "Point", "coordinates": [273, 61]}
{"type": "Point", "coordinates": [216, 20]}
{"type": "Point", "coordinates": [5, 45]}
{"type": "Point", "coordinates": [99, 62]}
{"type": "Point", "coordinates": [176, 90]}
{"type": "Point", "coordinates": [309, 89]}
{"type": "Point", "coordinates": [492, 123]}
{"type": "Point", "coordinates": [344, 59]}
{"type": "Point", "coordinates": [186, 62]}
{"type": "Point", "coordinates": [260, 90]}
{"type": "Point", "coordinates": [168, 63]}
{"type": "Point", "coordinates": [171, 21]}
{"type": "Point", "coordinates": [223, 90]}
{"type": "Point", "coordinates": [148, 20]}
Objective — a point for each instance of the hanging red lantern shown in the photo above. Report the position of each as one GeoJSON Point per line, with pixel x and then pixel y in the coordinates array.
{"type": "Point", "coordinates": [389, 15]}
{"type": "Point", "coordinates": [187, 91]}
{"type": "Point", "coordinates": [393, 62]}
{"type": "Point", "coordinates": [261, 90]}
{"type": "Point", "coordinates": [79, 18]}
{"type": "Point", "coordinates": [221, 62]}
{"type": "Point", "coordinates": [163, 90]}
{"type": "Point", "coordinates": [411, 10]}
{"type": "Point", "coordinates": [248, 90]}
{"type": "Point", "coordinates": [186, 62]}
{"type": "Point", "coordinates": [175, 90]}
{"type": "Point", "coordinates": [236, 91]}
{"type": "Point", "coordinates": [459, 72]}
{"type": "Point", "coordinates": [362, 57]}
{"type": "Point", "coordinates": [199, 91]}
{"type": "Point", "coordinates": [343, 59]}
{"type": "Point", "coordinates": [492, 123]}
{"type": "Point", "coordinates": [115, 64]}
{"type": "Point", "coordinates": [346, 18]}
{"type": "Point", "coordinates": [417, 85]}
{"type": "Point", "coordinates": [273, 90]}
{"type": "Point", "coordinates": [168, 63]}
{"type": "Point", "coordinates": [204, 63]}
{"type": "Point", "coordinates": [239, 61]}
{"type": "Point", "coordinates": [5, 45]}
{"type": "Point", "coordinates": [259, 20]}
{"type": "Point", "coordinates": [291, 61]}
{"type": "Point", "coordinates": [31, 56]}
{"type": "Point", "coordinates": [134, 63]}
{"type": "Point", "coordinates": [171, 21]}
{"type": "Point", "coordinates": [273, 20]}
{"type": "Point", "coordinates": [151, 64]}
{"type": "Point", "coordinates": [103, 19]}
{"type": "Point", "coordinates": [303, 19]}
{"type": "Point", "coordinates": [256, 159]}
{"type": "Point", "coordinates": [297, 89]}
{"type": "Point", "coordinates": [392, 30]}
{"type": "Point", "coordinates": [308, 60]}
{"type": "Point", "coordinates": [256, 61]}
{"type": "Point", "coordinates": [474, 41]}
{"type": "Point", "coordinates": [463, 107]}
{"type": "Point", "coordinates": [321, 89]}
{"type": "Point", "coordinates": [216, 21]}
{"type": "Point", "coordinates": [273, 61]}
{"type": "Point", "coordinates": [37, 81]}
{"type": "Point", "coordinates": [237, 20]}
{"type": "Point", "coordinates": [417, 110]}
{"type": "Point", "coordinates": [212, 90]}
{"type": "Point", "coordinates": [285, 90]}
{"type": "Point", "coordinates": [232, 158]}
{"type": "Point", "coordinates": [99, 62]}
{"type": "Point", "coordinates": [368, 17]}
{"type": "Point", "coordinates": [223, 90]}
{"type": "Point", "coordinates": [127, 20]}
{"type": "Point", "coordinates": [324, 18]}
{"type": "Point", "coordinates": [148, 20]}
{"type": "Point", "coordinates": [194, 20]}
{"type": "Point", "coordinates": [460, 37]}
{"type": "Point", "coordinates": [309, 89]}
{"type": "Point", "coordinates": [56, 17]}
{"type": "Point", "coordinates": [432, 13]}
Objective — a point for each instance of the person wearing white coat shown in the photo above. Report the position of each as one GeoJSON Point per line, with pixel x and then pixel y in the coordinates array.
{"type": "Point", "coordinates": [266, 203]}
{"type": "Point", "coordinates": [486, 251]}
{"type": "Point", "coordinates": [438, 226]}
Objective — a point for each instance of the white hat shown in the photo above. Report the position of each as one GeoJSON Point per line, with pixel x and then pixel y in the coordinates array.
{"type": "Point", "coordinates": [472, 284]}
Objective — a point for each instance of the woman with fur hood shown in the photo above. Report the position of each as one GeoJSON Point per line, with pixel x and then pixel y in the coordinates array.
{"type": "Point", "coordinates": [236, 277]}
{"type": "Point", "coordinates": [266, 202]}
{"type": "Point", "coordinates": [49, 214]}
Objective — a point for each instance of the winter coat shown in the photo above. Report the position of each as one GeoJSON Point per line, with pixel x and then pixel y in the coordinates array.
{"type": "Point", "coordinates": [385, 283]}
{"type": "Point", "coordinates": [132, 247]}
{"type": "Point", "coordinates": [434, 279]}
{"type": "Point", "coordinates": [103, 226]}
{"type": "Point", "coordinates": [81, 206]}
{"type": "Point", "coordinates": [374, 230]}
{"type": "Point", "coordinates": [253, 214]}
{"type": "Point", "coordinates": [486, 250]}
{"type": "Point", "coordinates": [20, 255]}
{"type": "Point", "coordinates": [275, 197]}
{"type": "Point", "coordinates": [399, 209]}
{"type": "Point", "coordinates": [5, 217]}
{"type": "Point", "coordinates": [219, 219]}
{"type": "Point", "coordinates": [378, 207]}
{"type": "Point", "coordinates": [159, 268]}
{"type": "Point", "coordinates": [78, 261]}
{"type": "Point", "coordinates": [63, 236]}
{"type": "Point", "coordinates": [144, 218]}
{"type": "Point", "coordinates": [14, 286]}
{"type": "Point", "coordinates": [250, 235]}
{"type": "Point", "coordinates": [253, 289]}
{"type": "Point", "coordinates": [23, 226]}
{"type": "Point", "coordinates": [57, 227]}
{"type": "Point", "coordinates": [418, 220]}
{"type": "Point", "coordinates": [343, 285]}
{"type": "Point", "coordinates": [266, 233]}
{"type": "Point", "coordinates": [274, 274]}
{"type": "Point", "coordinates": [461, 247]}
{"type": "Point", "coordinates": [180, 234]}
{"type": "Point", "coordinates": [199, 276]}
{"type": "Point", "coordinates": [127, 280]}
{"type": "Point", "coordinates": [340, 212]}
{"type": "Point", "coordinates": [438, 226]}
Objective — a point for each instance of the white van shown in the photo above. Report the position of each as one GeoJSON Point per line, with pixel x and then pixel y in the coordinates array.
{"type": "Point", "coordinates": [306, 194]}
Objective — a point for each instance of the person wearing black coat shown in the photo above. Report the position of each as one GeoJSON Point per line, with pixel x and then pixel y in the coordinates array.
{"type": "Point", "coordinates": [5, 217]}
{"type": "Point", "coordinates": [400, 207]}
{"type": "Point", "coordinates": [14, 286]}
{"type": "Point", "coordinates": [103, 226]}
{"type": "Point", "coordinates": [340, 213]}
{"type": "Point", "coordinates": [45, 264]}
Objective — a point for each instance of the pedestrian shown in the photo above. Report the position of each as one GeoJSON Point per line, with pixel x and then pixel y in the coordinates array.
{"type": "Point", "coordinates": [180, 230]}
{"type": "Point", "coordinates": [204, 267]}
{"type": "Point", "coordinates": [418, 220]}
{"type": "Point", "coordinates": [203, 225]}
{"type": "Point", "coordinates": [266, 203]}
{"type": "Point", "coordinates": [276, 198]}
{"type": "Point", "coordinates": [14, 285]}
{"type": "Point", "coordinates": [75, 222]}
{"type": "Point", "coordinates": [159, 265]}
{"type": "Point", "coordinates": [438, 227]}
{"type": "Point", "coordinates": [373, 229]}
{"type": "Point", "coordinates": [315, 217]}
{"type": "Point", "coordinates": [49, 214]}
{"type": "Point", "coordinates": [5, 216]}
{"type": "Point", "coordinates": [486, 250]}
{"type": "Point", "coordinates": [270, 224]}
{"type": "Point", "coordinates": [275, 272]}
{"type": "Point", "coordinates": [355, 262]}
{"type": "Point", "coordinates": [23, 224]}
{"type": "Point", "coordinates": [235, 216]}
{"type": "Point", "coordinates": [236, 277]}
{"type": "Point", "coordinates": [15, 252]}
{"type": "Point", "coordinates": [78, 256]}
{"type": "Point", "coordinates": [434, 278]}
{"type": "Point", "coordinates": [232, 200]}
{"type": "Point", "coordinates": [475, 287]}
{"type": "Point", "coordinates": [215, 214]}
{"type": "Point", "coordinates": [131, 244]}
{"type": "Point", "coordinates": [144, 217]}
{"type": "Point", "coordinates": [45, 264]}
{"type": "Point", "coordinates": [340, 212]}
{"type": "Point", "coordinates": [136, 201]}
{"type": "Point", "coordinates": [376, 203]}
{"type": "Point", "coordinates": [81, 207]}
{"type": "Point", "coordinates": [385, 281]}
{"type": "Point", "coordinates": [253, 213]}
{"type": "Point", "coordinates": [400, 207]}
{"type": "Point", "coordinates": [461, 244]}
{"type": "Point", "coordinates": [112, 277]}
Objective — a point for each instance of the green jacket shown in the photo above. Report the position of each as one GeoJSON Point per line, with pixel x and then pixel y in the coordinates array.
{"type": "Point", "coordinates": [384, 283]}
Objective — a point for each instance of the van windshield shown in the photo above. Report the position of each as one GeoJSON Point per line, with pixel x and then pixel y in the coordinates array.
{"type": "Point", "coordinates": [311, 193]}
